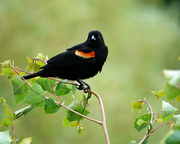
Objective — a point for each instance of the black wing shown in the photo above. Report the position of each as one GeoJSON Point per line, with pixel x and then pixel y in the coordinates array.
{"type": "Point", "coordinates": [67, 59]}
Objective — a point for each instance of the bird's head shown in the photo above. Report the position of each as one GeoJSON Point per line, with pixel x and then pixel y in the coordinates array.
{"type": "Point", "coordinates": [95, 38]}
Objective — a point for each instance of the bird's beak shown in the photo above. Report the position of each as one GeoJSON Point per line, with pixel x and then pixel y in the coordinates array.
{"type": "Point", "coordinates": [93, 37]}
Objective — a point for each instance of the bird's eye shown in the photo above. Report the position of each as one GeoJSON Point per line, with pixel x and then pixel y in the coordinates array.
{"type": "Point", "coordinates": [93, 37]}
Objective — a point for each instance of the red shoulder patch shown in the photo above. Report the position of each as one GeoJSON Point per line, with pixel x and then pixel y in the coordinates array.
{"type": "Point", "coordinates": [85, 55]}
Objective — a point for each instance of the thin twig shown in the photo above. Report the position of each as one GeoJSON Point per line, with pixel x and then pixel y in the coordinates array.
{"type": "Point", "coordinates": [19, 74]}
{"type": "Point", "coordinates": [23, 71]}
{"type": "Point", "coordinates": [151, 112]}
{"type": "Point", "coordinates": [152, 132]}
{"type": "Point", "coordinates": [103, 116]}
{"type": "Point", "coordinates": [157, 117]}
{"type": "Point", "coordinates": [12, 122]}
{"type": "Point", "coordinates": [103, 123]}
{"type": "Point", "coordinates": [40, 60]}
{"type": "Point", "coordinates": [71, 82]}
{"type": "Point", "coordinates": [91, 119]}
{"type": "Point", "coordinates": [151, 122]}
{"type": "Point", "coordinates": [55, 92]}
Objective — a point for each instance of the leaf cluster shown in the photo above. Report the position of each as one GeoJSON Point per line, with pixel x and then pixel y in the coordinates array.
{"type": "Point", "coordinates": [45, 93]}
{"type": "Point", "coordinates": [165, 115]}
{"type": "Point", "coordinates": [147, 120]}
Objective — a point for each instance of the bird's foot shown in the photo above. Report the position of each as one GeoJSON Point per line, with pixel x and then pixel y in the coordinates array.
{"type": "Point", "coordinates": [85, 87]}
{"type": "Point", "coordinates": [80, 87]}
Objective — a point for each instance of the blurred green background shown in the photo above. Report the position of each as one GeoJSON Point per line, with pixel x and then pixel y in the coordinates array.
{"type": "Point", "coordinates": [143, 38]}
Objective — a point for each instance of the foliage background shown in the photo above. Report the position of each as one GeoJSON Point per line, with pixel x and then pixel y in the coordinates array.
{"type": "Point", "coordinates": [143, 39]}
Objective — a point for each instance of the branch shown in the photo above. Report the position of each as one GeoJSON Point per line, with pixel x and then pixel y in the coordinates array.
{"type": "Point", "coordinates": [152, 132]}
{"type": "Point", "coordinates": [103, 116]}
{"type": "Point", "coordinates": [103, 123]}
{"type": "Point", "coordinates": [151, 111]}
{"type": "Point", "coordinates": [19, 74]}
{"type": "Point", "coordinates": [96, 121]}
{"type": "Point", "coordinates": [40, 60]}
{"type": "Point", "coordinates": [151, 121]}
{"type": "Point", "coordinates": [71, 82]}
{"type": "Point", "coordinates": [12, 122]}
{"type": "Point", "coordinates": [157, 117]}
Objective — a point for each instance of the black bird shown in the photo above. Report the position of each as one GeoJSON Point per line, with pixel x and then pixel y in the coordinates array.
{"type": "Point", "coordinates": [80, 62]}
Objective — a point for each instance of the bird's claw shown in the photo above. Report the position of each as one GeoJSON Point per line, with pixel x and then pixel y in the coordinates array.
{"type": "Point", "coordinates": [80, 87]}
{"type": "Point", "coordinates": [85, 87]}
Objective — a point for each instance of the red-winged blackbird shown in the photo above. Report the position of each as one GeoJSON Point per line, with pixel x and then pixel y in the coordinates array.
{"type": "Point", "coordinates": [79, 62]}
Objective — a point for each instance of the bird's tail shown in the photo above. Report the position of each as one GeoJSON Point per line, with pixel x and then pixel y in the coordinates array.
{"type": "Point", "coordinates": [32, 75]}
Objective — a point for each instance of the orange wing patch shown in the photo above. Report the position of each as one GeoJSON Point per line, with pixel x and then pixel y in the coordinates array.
{"type": "Point", "coordinates": [85, 55]}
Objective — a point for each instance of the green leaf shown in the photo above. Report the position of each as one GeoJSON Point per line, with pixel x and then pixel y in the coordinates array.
{"type": "Point", "coordinates": [158, 94]}
{"type": "Point", "coordinates": [41, 82]}
{"type": "Point", "coordinates": [60, 92]}
{"type": "Point", "coordinates": [51, 106]}
{"type": "Point", "coordinates": [80, 130]}
{"type": "Point", "coordinates": [167, 110]}
{"type": "Point", "coordinates": [41, 56]}
{"type": "Point", "coordinates": [133, 142]}
{"type": "Point", "coordinates": [20, 88]}
{"type": "Point", "coordinates": [146, 141]}
{"type": "Point", "coordinates": [6, 64]}
{"type": "Point", "coordinates": [73, 89]}
{"type": "Point", "coordinates": [173, 83]}
{"type": "Point", "coordinates": [35, 96]}
{"type": "Point", "coordinates": [172, 77]}
{"type": "Point", "coordinates": [6, 107]}
{"type": "Point", "coordinates": [7, 110]}
{"type": "Point", "coordinates": [26, 140]}
{"type": "Point", "coordinates": [4, 137]}
{"type": "Point", "coordinates": [6, 68]}
{"type": "Point", "coordinates": [172, 92]}
{"type": "Point", "coordinates": [154, 92]}
{"type": "Point", "coordinates": [6, 122]}
{"type": "Point", "coordinates": [142, 122]}
{"type": "Point", "coordinates": [67, 123]}
{"type": "Point", "coordinates": [177, 118]}
{"type": "Point", "coordinates": [49, 84]}
{"type": "Point", "coordinates": [46, 84]}
{"type": "Point", "coordinates": [177, 98]}
{"type": "Point", "coordinates": [161, 93]}
{"type": "Point", "coordinates": [22, 111]}
{"type": "Point", "coordinates": [137, 105]}
{"type": "Point", "coordinates": [34, 64]}
{"type": "Point", "coordinates": [173, 138]}
{"type": "Point", "coordinates": [77, 107]}
{"type": "Point", "coordinates": [6, 71]}
{"type": "Point", "coordinates": [84, 100]}
{"type": "Point", "coordinates": [62, 89]}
